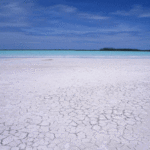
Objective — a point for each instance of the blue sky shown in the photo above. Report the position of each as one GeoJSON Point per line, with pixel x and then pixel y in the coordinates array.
{"type": "Point", "coordinates": [74, 24]}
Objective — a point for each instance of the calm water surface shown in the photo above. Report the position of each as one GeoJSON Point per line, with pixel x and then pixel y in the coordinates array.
{"type": "Point", "coordinates": [70, 54]}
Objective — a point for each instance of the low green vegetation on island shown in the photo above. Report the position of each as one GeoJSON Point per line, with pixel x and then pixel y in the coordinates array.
{"type": "Point", "coordinates": [121, 49]}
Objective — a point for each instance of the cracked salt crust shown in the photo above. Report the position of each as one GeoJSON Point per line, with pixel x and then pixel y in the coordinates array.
{"type": "Point", "coordinates": [82, 104]}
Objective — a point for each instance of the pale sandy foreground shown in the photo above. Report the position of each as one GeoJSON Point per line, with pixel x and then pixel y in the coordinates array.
{"type": "Point", "coordinates": [74, 104]}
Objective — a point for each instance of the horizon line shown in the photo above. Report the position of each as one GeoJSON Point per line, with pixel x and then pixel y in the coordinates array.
{"type": "Point", "coordinates": [102, 49]}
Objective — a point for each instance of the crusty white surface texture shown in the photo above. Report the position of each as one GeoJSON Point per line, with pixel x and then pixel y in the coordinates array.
{"type": "Point", "coordinates": [74, 104]}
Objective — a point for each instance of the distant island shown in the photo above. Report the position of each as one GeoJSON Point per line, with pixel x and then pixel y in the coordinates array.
{"type": "Point", "coordinates": [121, 49]}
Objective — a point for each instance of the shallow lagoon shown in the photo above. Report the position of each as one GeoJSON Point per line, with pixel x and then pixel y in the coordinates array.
{"type": "Point", "coordinates": [71, 53]}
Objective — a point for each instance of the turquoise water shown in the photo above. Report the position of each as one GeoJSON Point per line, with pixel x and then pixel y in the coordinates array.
{"type": "Point", "coordinates": [70, 54]}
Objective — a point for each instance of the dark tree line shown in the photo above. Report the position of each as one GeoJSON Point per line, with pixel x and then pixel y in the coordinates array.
{"type": "Point", "coordinates": [121, 49]}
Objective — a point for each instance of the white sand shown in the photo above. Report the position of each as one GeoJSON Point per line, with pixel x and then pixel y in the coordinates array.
{"type": "Point", "coordinates": [74, 104]}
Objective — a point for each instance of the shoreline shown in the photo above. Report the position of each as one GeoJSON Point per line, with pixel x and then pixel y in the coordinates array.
{"type": "Point", "coordinates": [79, 57]}
{"type": "Point", "coordinates": [104, 49]}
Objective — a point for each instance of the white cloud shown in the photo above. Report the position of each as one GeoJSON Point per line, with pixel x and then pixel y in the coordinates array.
{"type": "Point", "coordinates": [63, 8]}
{"type": "Point", "coordinates": [19, 40]}
{"type": "Point", "coordinates": [11, 24]}
{"type": "Point", "coordinates": [76, 30]}
{"type": "Point", "coordinates": [122, 28]}
{"type": "Point", "coordinates": [56, 9]}
{"type": "Point", "coordinates": [11, 9]}
{"type": "Point", "coordinates": [91, 16]}
{"type": "Point", "coordinates": [144, 15]}
{"type": "Point", "coordinates": [20, 14]}
{"type": "Point", "coordinates": [13, 15]}
{"type": "Point", "coordinates": [137, 10]}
